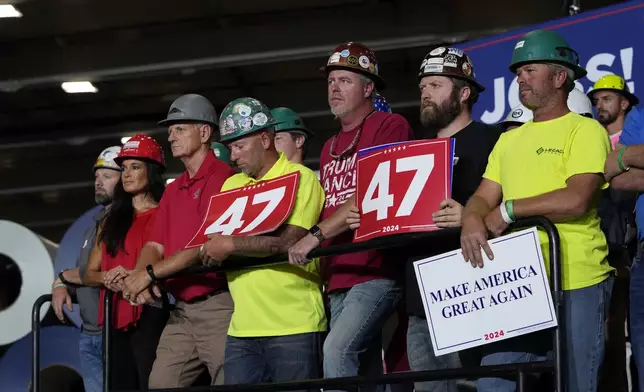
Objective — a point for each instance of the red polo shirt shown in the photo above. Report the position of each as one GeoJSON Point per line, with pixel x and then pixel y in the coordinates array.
{"type": "Point", "coordinates": [181, 212]}
{"type": "Point", "coordinates": [338, 177]}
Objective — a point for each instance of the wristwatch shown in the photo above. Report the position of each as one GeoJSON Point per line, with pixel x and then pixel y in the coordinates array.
{"type": "Point", "coordinates": [150, 271]}
{"type": "Point", "coordinates": [317, 233]}
{"type": "Point", "coordinates": [62, 277]}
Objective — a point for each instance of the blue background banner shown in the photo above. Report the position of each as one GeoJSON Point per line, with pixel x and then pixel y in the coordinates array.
{"type": "Point", "coordinates": [608, 40]}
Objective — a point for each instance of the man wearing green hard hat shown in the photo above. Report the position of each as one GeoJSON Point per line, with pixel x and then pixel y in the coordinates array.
{"type": "Point", "coordinates": [291, 135]}
{"type": "Point", "coordinates": [275, 332]}
{"type": "Point", "coordinates": [221, 151]}
{"type": "Point", "coordinates": [552, 166]}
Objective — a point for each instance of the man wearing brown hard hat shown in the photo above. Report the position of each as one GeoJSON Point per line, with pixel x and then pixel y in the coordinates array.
{"type": "Point", "coordinates": [363, 288]}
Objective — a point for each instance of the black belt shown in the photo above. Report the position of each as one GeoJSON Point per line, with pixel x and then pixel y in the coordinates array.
{"type": "Point", "coordinates": [205, 296]}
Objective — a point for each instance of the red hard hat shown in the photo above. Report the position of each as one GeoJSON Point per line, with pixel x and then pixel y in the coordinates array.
{"type": "Point", "coordinates": [142, 147]}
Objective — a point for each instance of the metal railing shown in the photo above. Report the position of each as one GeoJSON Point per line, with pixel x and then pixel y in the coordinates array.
{"type": "Point", "coordinates": [520, 370]}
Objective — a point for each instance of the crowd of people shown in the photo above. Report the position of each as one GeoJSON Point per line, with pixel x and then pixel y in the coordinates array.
{"type": "Point", "coordinates": [312, 318]}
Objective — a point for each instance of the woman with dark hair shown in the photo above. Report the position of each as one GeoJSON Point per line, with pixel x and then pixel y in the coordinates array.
{"type": "Point", "coordinates": [122, 233]}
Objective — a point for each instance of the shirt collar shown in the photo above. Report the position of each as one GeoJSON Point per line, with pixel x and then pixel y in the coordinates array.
{"type": "Point", "coordinates": [185, 181]}
{"type": "Point", "coordinates": [273, 172]}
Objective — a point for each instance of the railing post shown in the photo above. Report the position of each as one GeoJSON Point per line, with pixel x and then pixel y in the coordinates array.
{"type": "Point", "coordinates": [107, 339]}
{"type": "Point", "coordinates": [35, 341]}
{"type": "Point", "coordinates": [521, 382]}
{"type": "Point", "coordinates": [554, 252]}
{"type": "Point", "coordinates": [559, 339]}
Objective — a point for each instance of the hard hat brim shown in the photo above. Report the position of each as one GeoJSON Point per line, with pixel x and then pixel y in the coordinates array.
{"type": "Point", "coordinates": [171, 121]}
{"type": "Point", "coordinates": [232, 137]}
{"type": "Point", "coordinates": [96, 167]}
{"type": "Point", "coordinates": [307, 133]}
{"type": "Point", "coordinates": [120, 160]}
{"type": "Point", "coordinates": [378, 81]}
{"type": "Point", "coordinates": [472, 81]}
{"type": "Point", "coordinates": [632, 98]}
{"type": "Point", "coordinates": [578, 71]}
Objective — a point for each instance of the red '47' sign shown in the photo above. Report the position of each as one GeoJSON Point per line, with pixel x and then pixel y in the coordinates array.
{"type": "Point", "coordinates": [401, 185]}
{"type": "Point", "coordinates": [250, 210]}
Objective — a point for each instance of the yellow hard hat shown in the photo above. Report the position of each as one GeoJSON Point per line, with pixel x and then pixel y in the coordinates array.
{"type": "Point", "coordinates": [614, 83]}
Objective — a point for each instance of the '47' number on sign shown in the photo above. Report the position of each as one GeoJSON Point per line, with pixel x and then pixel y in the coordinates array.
{"type": "Point", "coordinates": [231, 220]}
{"type": "Point", "coordinates": [422, 165]}
{"type": "Point", "coordinates": [252, 209]}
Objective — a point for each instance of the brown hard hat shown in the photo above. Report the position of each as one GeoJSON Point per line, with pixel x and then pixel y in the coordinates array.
{"type": "Point", "coordinates": [357, 57]}
{"type": "Point", "coordinates": [450, 62]}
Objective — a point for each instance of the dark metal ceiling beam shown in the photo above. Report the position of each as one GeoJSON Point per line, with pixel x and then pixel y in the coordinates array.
{"type": "Point", "coordinates": [232, 60]}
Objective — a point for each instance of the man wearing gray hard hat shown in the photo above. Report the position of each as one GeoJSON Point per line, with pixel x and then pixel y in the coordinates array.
{"type": "Point", "coordinates": [196, 331]}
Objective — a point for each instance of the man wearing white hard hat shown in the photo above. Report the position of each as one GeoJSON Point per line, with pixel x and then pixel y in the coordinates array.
{"type": "Point", "coordinates": [107, 174]}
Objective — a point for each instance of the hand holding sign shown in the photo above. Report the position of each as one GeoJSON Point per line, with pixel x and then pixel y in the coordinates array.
{"type": "Point", "coordinates": [250, 210]}
{"type": "Point", "coordinates": [468, 307]}
{"type": "Point", "coordinates": [401, 185]}
{"type": "Point", "coordinates": [449, 214]}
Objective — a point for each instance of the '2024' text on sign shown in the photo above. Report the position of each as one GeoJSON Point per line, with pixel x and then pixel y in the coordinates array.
{"type": "Point", "coordinates": [401, 185]}
{"type": "Point", "coordinates": [250, 210]}
{"type": "Point", "coordinates": [467, 307]}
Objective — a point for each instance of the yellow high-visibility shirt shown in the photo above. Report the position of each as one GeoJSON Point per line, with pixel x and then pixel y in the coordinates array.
{"type": "Point", "coordinates": [540, 157]}
{"type": "Point", "coordinates": [280, 299]}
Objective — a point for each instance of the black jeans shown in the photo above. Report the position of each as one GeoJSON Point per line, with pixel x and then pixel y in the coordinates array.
{"type": "Point", "coordinates": [133, 351]}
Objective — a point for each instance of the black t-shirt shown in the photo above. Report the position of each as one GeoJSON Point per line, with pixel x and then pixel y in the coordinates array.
{"type": "Point", "coordinates": [474, 143]}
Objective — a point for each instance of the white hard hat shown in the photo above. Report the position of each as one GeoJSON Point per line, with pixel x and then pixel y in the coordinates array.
{"type": "Point", "coordinates": [578, 103]}
{"type": "Point", "coordinates": [105, 159]}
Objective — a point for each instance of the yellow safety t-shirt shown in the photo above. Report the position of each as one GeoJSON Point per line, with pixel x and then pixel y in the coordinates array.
{"type": "Point", "coordinates": [538, 158]}
{"type": "Point", "coordinates": [280, 299]}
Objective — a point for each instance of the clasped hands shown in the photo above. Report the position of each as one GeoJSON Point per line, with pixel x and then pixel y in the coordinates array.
{"type": "Point", "coordinates": [139, 289]}
{"type": "Point", "coordinates": [117, 280]}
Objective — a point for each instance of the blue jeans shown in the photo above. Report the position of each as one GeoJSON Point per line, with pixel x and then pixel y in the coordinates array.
{"type": "Point", "coordinates": [357, 318]}
{"type": "Point", "coordinates": [91, 355]}
{"type": "Point", "coordinates": [272, 359]}
{"type": "Point", "coordinates": [585, 313]}
{"type": "Point", "coordinates": [420, 353]}
{"type": "Point", "coordinates": [637, 316]}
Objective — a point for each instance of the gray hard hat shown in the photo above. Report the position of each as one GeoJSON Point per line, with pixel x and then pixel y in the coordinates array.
{"type": "Point", "coordinates": [191, 107]}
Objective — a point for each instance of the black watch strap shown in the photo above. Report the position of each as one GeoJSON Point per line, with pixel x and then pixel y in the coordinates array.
{"type": "Point", "coordinates": [151, 272]}
{"type": "Point", "coordinates": [61, 276]}
{"type": "Point", "coordinates": [317, 233]}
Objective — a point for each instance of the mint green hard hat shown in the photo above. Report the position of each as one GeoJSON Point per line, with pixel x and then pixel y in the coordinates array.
{"type": "Point", "coordinates": [242, 117]}
{"type": "Point", "coordinates": [545, 46]}
{"type": "Point", "coordinates": [289, 121]}
{"type": "Point", "coordinates": [221, 151]}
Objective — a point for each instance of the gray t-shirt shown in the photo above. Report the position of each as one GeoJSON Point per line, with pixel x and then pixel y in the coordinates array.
{"type": "Point", "coordinates": [88, 297]}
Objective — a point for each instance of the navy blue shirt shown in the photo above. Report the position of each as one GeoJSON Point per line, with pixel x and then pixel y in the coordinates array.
{"type": "Point", "coordinates": [632, 134]}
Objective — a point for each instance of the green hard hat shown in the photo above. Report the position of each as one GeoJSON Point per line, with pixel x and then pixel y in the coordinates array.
{"type": "Point", "coordinates": [288, 120]}
{"type": "Point", "coordinates": [244, 116]}
{"type": "Point", "coordinates": [221, 151]}
{"type": "Point", "coordinates": [545, 46]}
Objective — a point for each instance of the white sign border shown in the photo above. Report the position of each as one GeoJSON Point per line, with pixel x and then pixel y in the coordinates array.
{"type": "Point", "coordinates": [535, 327]}
{"type": "Point", "coordinates": [414, 143]}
